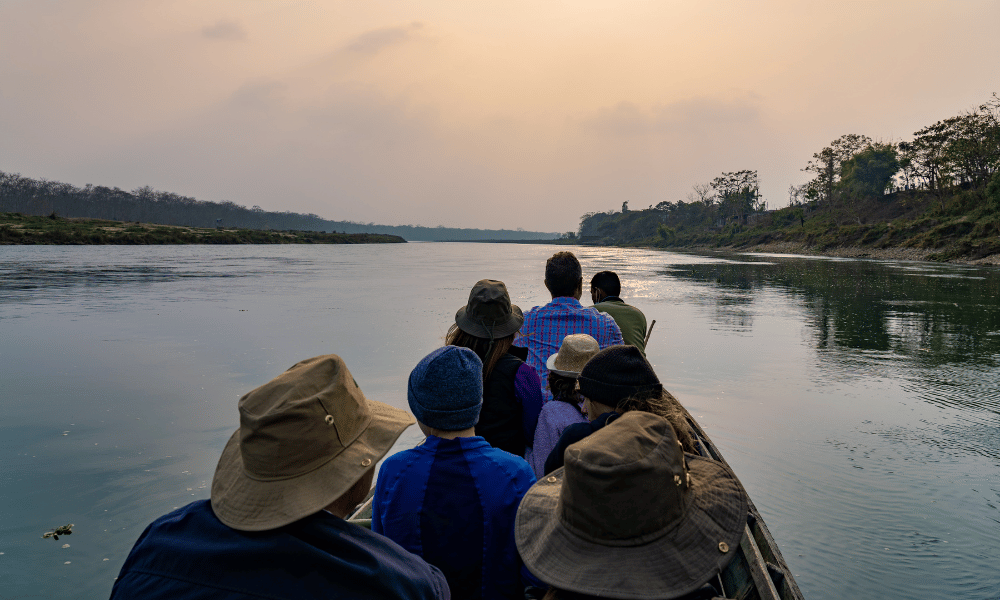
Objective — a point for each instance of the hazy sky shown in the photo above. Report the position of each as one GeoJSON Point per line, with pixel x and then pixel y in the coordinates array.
{"type": "Point", "coordinates": [467, 113]}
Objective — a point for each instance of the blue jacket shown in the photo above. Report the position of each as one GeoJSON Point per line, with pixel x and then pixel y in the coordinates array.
{"type": "Point", "coordinates": [453, 502]}
{"type": "Point", "coordinates": [189, 554]}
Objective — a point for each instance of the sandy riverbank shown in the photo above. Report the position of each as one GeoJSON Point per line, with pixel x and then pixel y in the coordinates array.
{"type": "Point", "coordinates": [859, 252]}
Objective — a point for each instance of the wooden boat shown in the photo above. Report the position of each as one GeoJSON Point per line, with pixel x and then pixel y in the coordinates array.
{"type": "Point", "coordinates": [757, 572]}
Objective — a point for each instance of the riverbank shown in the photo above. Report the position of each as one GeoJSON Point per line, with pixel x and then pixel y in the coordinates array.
{"type": "Point", "coordinates": [19, 229]}
{"type": "Point", "coordinates": [894, 253]}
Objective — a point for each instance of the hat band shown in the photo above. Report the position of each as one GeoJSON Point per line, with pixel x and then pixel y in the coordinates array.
{"type": "Point", "coordinates": [639, 540]}
{"type": "Point", "coordinates": [283, 477]}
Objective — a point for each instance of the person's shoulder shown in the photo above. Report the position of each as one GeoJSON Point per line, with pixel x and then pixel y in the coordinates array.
{"type": "Point", "coordinates": [559, 407]}
{"type": "Point", "coordinates": [577, 431]}
{"type": "Point", "coordinates": [403, 459]}
{"type": "Point", "coordinates": [604, 317]}
{"type": "Point", "coordinates": [503, 459]}
{"type": "Point", "coordinates": [395, 558]}
{"type": "Point", "coordinates": [199, 511]}
{"type": "Point", "coordinates": [630, 307]}
{"type": "Point", "coordinates": [533, 311]}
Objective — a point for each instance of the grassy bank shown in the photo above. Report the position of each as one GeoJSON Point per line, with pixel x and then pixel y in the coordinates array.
{"type": "Point", "coordinates": [969, 237]}
{"type": "Point", "coordinates": [16, 228]}
{"type": "Point", "coordinates": [962, 227]}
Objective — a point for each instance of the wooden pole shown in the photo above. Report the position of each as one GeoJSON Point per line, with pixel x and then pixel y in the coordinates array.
{"type": "Point", "coordinates": [649, 332]}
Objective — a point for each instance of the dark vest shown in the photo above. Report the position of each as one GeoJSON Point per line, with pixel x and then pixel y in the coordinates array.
{"type": "Point", "coordinates": [500, 421]}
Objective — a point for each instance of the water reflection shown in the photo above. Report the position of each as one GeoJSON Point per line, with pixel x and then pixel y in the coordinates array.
{"type": "Point", "coordinates": [934, 318]}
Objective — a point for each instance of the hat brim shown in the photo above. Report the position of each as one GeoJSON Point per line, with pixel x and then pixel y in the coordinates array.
{"type": "Point", "coordinates": [500, 330]}
{"type": "Point", "coordinates": [550, 364]}
{"type": "Point", "coordinates": [254, 505]}
{"type": "Point", "coordinates": [680, 561]}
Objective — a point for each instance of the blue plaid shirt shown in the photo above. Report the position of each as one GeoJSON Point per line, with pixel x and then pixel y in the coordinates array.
{"type": "Point", "coordinates": [545, 327]}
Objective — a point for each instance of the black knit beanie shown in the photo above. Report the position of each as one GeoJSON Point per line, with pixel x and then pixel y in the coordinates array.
{"type": "Point", "coordinates": [617, 373]}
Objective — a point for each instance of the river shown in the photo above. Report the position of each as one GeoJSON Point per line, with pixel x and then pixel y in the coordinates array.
{"type": "Point", "coordinates": [858, 401]}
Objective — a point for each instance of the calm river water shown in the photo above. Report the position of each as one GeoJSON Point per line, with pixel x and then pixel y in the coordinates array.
{"type": "Point", "coordinates": [858, 401]}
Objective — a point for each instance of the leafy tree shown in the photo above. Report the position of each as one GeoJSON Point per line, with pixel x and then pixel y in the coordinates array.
{"type": "Point", "coordinates": [738, 193]}
{"type": "Point", "coordinates": [827, 166]}
{"type": "Point", "coordinates": [869, 173]}
{"type": "Point", "coordinates": [926, 154]}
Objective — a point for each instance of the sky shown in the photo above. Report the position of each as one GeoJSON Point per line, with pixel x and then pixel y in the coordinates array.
{"type": "Point", "coordinates": [471, 114]}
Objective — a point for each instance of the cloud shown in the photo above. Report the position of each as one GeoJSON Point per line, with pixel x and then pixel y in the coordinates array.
{"type": "Point", "coordinates": [375, 41]}
{"type": "Point", "coordinates": [225, 30]}
{"type": "Point", "coordinates": [627, 119]}
{"type": "Point", "coordinates": [259, 95]}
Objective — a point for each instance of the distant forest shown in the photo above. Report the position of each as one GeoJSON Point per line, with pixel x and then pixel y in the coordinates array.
{"type": "Point", "coordinates": [940, 189]}
{"type": "Point", "coordinates": [43, 197]}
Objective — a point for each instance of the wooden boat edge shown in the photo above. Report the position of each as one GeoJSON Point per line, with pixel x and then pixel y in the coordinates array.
{"type": "Point", "coordinates": [758, 562]}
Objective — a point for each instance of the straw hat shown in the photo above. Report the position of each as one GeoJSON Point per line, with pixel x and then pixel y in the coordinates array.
{"type": "Point", "coordinates": [627, 518]}
{"type": "Point", "coordinates": [305, 438]}
{"type": "Point", "coordinates": [489, 313]}
{"type": "Point", "coordinates": [574, 352]}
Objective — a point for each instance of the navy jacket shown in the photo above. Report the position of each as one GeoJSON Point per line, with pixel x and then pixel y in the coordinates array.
{"type": "Point", "coordinates": [573, 434]}
{"type": "Point", "coordinates": [453, 502]}
{"type": "Point", "coordinates": [189, 554]}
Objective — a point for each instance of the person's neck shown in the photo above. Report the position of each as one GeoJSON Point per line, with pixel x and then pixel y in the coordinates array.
{"type": "Point", "coordinates": [446, 434]}
{"type": "Point", "coordinates": [450, 435]}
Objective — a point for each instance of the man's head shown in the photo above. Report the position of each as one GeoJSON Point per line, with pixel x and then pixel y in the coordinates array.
{"type": "Point", "coordinates": [564, 276]}
{"type": "Point", "coordinates": [604, 284]}
{"type": "Point", "coordinates": [445, 390]}
{"type": "Point", "coordinates": [307, 439]}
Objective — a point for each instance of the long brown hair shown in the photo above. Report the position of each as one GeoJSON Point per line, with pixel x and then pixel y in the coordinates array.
{"type": "Point", "coordinates": [564, 389]}
{"type": "Point", "coordinates": [666, 406]}
{"type": "Point", "coordinates": [481, 346]}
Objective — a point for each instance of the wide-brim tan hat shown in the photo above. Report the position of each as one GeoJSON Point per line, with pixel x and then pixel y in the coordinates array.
{"type": "Point", "coordinates": [625, 519]}
{"type": "Point", "coordinates": [305, 438]}
{"type": "Point", "coordinates": [574, 352]}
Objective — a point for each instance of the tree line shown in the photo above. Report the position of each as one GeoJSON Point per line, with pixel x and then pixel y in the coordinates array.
{"type": "Point", "coordinates": [951, 162]}
{"type": "Point", "coordinates": [41, 197]}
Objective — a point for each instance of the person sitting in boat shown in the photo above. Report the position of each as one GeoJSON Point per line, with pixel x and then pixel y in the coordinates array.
{"type": "Point", "coordinates": [632, 516]}
{"type": "Point", "coordinates": [512, 394]}
{"type": "Point", "coordinates": [604, 290]}
{"type": "Point", "coordinates": [545, 326]}
{"type": "Point", "coordinates": [302, 459]}
{"type": "Point", "coordinates": [617, 380]}
{"type": "Point", "coordinates": [452, 499]}
{"type": "Point", "coordinates": [564, 410]}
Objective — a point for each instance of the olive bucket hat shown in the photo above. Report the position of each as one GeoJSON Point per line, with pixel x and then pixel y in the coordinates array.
{"type": "Point", "coordinates": [489, 313]}
{"type": "Point", "coordinates": [631, 515]}
{"type": "Point", "coordinates": [305, 438]}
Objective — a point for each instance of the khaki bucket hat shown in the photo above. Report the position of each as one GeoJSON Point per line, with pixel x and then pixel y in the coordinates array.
{"type": "Point", "coordinates": [489, 313]}
{"type": "Point", "coordinates": [574, 352]}
{"type": "Point", "coordinates": [305, 438]}
{"type": "Point", "coordinates": [627, 518]}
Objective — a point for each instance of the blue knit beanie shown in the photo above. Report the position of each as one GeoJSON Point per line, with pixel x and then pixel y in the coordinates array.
{"type": "Point", "coordinates": [446, 389]}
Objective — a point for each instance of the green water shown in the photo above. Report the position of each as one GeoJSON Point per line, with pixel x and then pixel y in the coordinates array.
{"type": "Point", "coordinates": [858, 401]}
